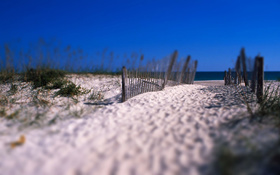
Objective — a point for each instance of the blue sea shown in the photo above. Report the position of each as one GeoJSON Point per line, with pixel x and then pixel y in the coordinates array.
{"type": "Point", "coordinates": [200, 76]}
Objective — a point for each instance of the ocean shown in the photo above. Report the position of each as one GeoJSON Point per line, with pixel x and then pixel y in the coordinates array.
{"type": "Point", "coordinates": [200, 76]}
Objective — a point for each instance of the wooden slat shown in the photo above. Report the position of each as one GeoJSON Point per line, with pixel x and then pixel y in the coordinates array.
{"type": "Point", "coordinates": [124, 77]}
{"type": "Point", "coordinates": [187, 78]}
{"type": "Point", "coordinates": [237, 71]}
{"type": "Point", "coordinates": [243, 59]}
{"type": "Point", "coordinates": [168, 72]}
{"type": "Point", "coordinates": [229, 76]}
{"type": "Point", "coordinates": [254, 76]}
{"type": "Point", "coordinates": [260, 66]}
{"type": "Point", "coordinates": [129, 84]}
{"type": "Point", "coordinates": [181, 78]}
{"type": "Point", "coordinates": [194, 71]}
{"type": "Point", "coordinates": [151, 83]}
{"type": "Point", "coordinates": [225, 77]}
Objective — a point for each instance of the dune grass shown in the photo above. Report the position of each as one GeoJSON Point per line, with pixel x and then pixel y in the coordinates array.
{"type": "Point", "coordinates": [267, 105]}
{"type": "Point", "coordinates": [270, 104]}
{"type": "Point", "coordinates": [6, 76]}
{"type": "Point", "coordinates": [233, 157]}
{"type": "Point", "coordinates": [230, 162]}
{"type": "Point", "coordinates": [44, 55]}
{"type": "Point", "coordinates": [43, 77]}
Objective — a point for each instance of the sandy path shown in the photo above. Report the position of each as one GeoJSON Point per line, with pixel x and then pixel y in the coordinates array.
{"type": "Point", "coordinates": [210, 83]}
{"type": "Point", "coordinates": [166, 132]}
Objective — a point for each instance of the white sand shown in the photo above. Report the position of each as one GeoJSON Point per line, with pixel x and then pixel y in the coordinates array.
{"type": "Point", "coordinates": [166, 132]}
{"type": "Point", "coordinates": [210, 83]}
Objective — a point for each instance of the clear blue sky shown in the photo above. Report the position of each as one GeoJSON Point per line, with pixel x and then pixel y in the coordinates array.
{"type": "Point", "coordinates": [211, 31]}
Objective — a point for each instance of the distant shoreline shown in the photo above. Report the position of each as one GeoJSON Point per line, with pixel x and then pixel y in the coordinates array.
{"type": "Point", "coordinates": [219, 75]}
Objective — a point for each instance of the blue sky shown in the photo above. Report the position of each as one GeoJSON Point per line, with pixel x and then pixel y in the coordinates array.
{"type": "Point", "coordinates": [211, 31]}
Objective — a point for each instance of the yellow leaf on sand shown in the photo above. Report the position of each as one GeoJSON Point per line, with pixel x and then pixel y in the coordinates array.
{"type": "Point", "coordinates": [19, 142]}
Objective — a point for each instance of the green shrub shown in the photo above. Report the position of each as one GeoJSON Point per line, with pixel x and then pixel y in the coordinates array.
{"type": "Point", "coordinates": [6, 76]}
{"type": "Point", "coordinates": [225, 161]}
{"type": "Point", "coordinates": [69, 90]}
{"type": "Point", "coordinates": [13, 115]}
{"type": "Point", "coordinates": [3, 112]}
{"type": "Point", "coordinates": [42, 77]}
{"type": "Point", "coordinates": [13, 89]}
{"type": "Point", "coordinates": [96, 96]}
{"type": "Point", "coordinates": [3, 100]}
{"type": "Point", "coordinates": [57, 84]}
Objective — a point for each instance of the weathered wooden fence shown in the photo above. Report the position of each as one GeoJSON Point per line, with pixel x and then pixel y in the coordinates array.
{"type": "Point", "coordinates": [150, 78]}
{"type": "Point", "coordinates": [252, 78]}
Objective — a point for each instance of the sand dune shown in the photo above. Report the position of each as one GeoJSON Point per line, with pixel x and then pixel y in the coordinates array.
{"type": "Point", "coordinates": [166, 132]}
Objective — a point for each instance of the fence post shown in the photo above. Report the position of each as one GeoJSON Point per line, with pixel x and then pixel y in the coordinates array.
{"type": "Point", "coordinates": [225, 77]}
{"type": "Point", "coordinates": [133, 80]}
{"type": "Point", "coordinates": [168, 72]}
{"type": "Point", "coordinates": [128, 93]}
{"type": "Point", "coordinates": [237, 71]}
{"type": "Point", "coordinates": [184, 69]}
{"type": "Point", "coordinates": [243, 58]}
{"type": "Point", "coordinates": [124, 77]}
{"type": "Point", "coordinates": [187, 78]}
{"type": "Point", "coordinates": [229, 76]}
{"type": "Point", "coordinates": [254, 76]}
{"type": "Point", "coordinates": [260, 65]}
{"type": "Point", "coordinates": [194, 71]}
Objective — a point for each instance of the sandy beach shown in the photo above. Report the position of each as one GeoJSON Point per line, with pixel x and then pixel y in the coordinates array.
{"type": "Point", "coordinates": [173, 131]}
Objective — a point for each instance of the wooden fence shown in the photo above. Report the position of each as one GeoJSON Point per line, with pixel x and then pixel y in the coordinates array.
{"type": "Point", "coordinates": [253, 79]}
{"type": "Point", "coordinates": [147, 79]}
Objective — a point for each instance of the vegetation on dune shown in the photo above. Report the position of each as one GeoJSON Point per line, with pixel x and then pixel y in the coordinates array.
{"type": "Point", "coordinates": [248, 154]}
{"type": "Point", "coordinates": [225, 161]}
{"type": "Point", "coordinates": [243, 154]}
{"type": "Point", "coordinates": [57, 84]}
{"type": "Point", "coordinates": [96, 71]}
{"type": "Point", "coordinates": [31, 78]}
{"type": "Point", "coordinates": [105, 72]}
{"type": "Point", "coordinates": [96, 96]}
{"type": "Point", "coordinates": [43, 77]}
{"type": "Point", "coordinates": [229, 162]}
{"type": "Point", "coordinates": [3, 100]}
{"type": "Point", "coordinates": [70, 89]}
{"type": "Point", "coordinates": [13, 89]}
{"type": "Point", "coordinates": [46, 56]}
{"type": "Point", "coordinates": [270, 104]}
{"type": "Point", "coordinates": [3, 112]}
{"type": "Point", "coordinates": [6, 76]}
{"type": "Point", "coordinates": [7, 73]}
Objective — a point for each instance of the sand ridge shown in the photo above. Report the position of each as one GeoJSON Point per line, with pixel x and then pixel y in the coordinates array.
{"type": "Point", "coordinates": [165, 132]}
